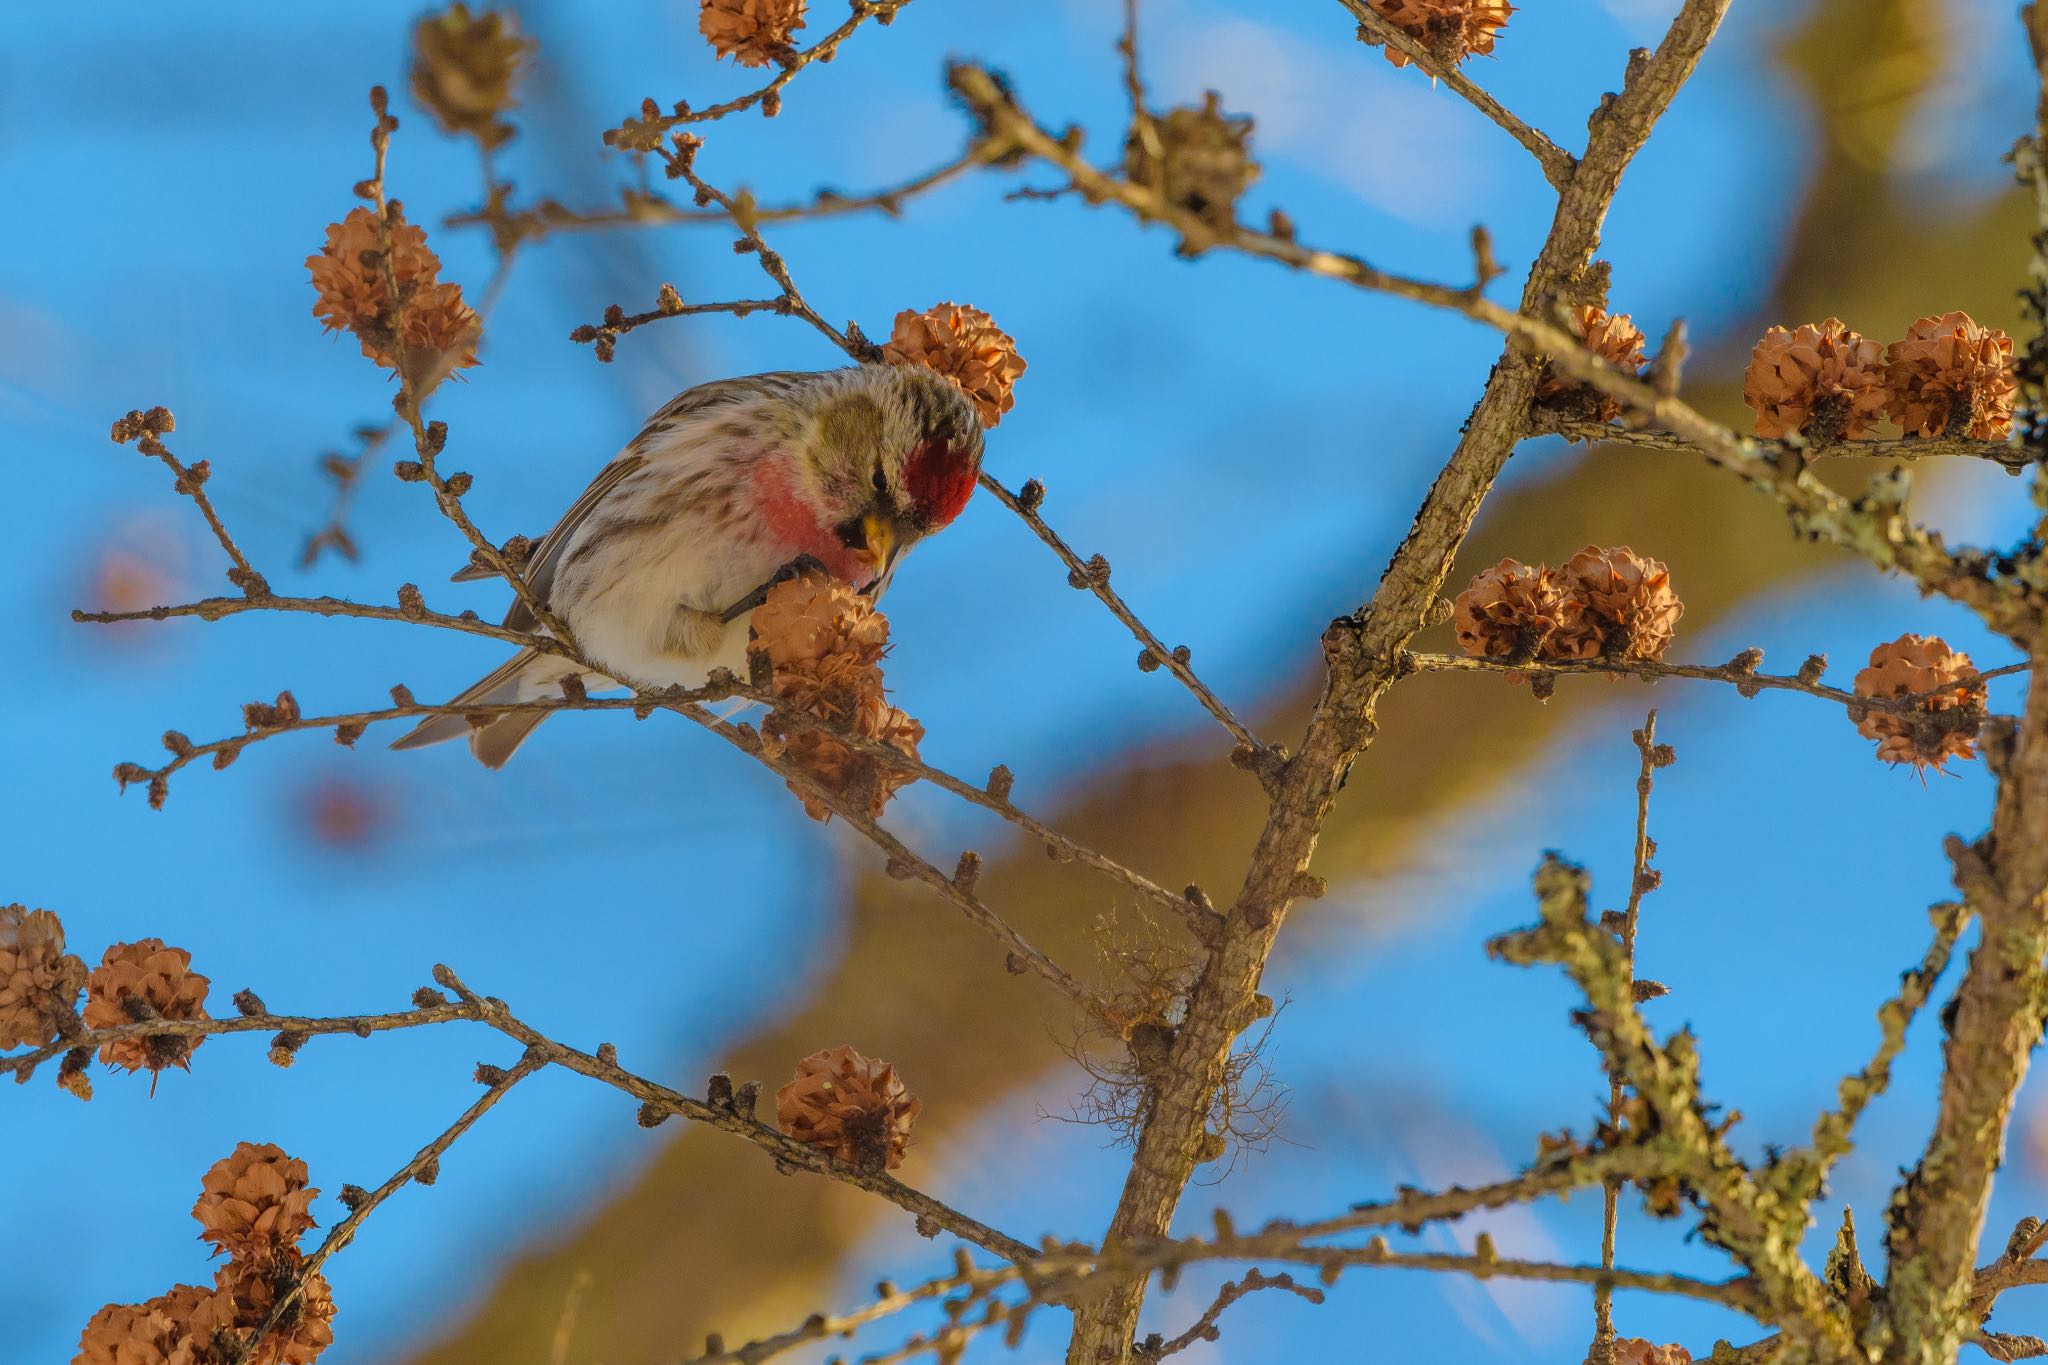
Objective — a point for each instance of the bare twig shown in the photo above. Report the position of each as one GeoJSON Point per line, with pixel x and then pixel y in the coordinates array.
{"type": "Point", "coordinates": [424, 1160]}
{"type": "Point", "coordinates": [1093, 574]}
{"type": "Point", "coordinates": [1204, 1328]}
{"type": "Point", "coordinates": [1557, 163]}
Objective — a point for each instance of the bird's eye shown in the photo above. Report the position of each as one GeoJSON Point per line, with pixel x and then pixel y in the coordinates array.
{"type": "Point", "coordinates": [881, 480]}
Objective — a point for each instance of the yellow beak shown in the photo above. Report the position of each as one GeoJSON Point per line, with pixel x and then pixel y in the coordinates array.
{"type": "Point", "coordinates": [880, 534]}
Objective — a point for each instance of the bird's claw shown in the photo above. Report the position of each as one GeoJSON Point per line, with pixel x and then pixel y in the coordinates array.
{"type": "Point", "coordinates": [796, 568]}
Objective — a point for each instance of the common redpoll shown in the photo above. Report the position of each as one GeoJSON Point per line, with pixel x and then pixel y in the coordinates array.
{"type": "Point", "coordinates": [655, 567]}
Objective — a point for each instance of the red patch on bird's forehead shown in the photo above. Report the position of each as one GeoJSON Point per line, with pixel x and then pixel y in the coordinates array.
{"type": "Point", "coordinates": [940, 480]}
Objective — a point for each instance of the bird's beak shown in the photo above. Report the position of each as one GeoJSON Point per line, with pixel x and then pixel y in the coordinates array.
{"type": "Point", "coordinates": [879, 532]}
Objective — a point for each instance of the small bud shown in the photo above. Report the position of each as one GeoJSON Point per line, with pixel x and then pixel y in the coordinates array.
{"type": "Point", "coordinates": [1812, 670]}
{"type": "Point", "coordinates": [459, 483]}
{"type": "Point", "coordinates": [401, 695]}
{"type": "Point", "coordinates": [608, 1054]}
{"type": "Point", "coordinates": [353, 1197]}
{"type": "Point", "coordinates": [1000, 781]}
{"type": "Point", "coordinates": [348, 732]}
{"type": "Point", "coordinates": [1031, 495]}
{"type": "Point", "coordinates": [285, 1046]}
{"type": "Point", "coordinates": [486, 1074]}
{"type": "Point", "coordinates": [426, 998]}
{"type": "Point", "coordinates": [967, 871]}
{"type": "Point", "coordinates": [247, 1002]}
{"type": "Point", "coordinates": [409, 471]}
{"type": "Point", "coordinates": [1148, 662]}
{"type": "Point", "coordinates": [652, 1115]}
{"type": "Point", "coordinates": [429, 1171]}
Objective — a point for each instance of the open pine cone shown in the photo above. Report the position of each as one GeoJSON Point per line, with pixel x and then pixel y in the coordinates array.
{"type": "Point", "coordinates": [464, 68]}
{"type": "Point", "coordinates": [1637, 1351]}
{"type": "Point", "coordinates": [751, 32]}
{"type": "Point", "coordinates": [254, 1204]}
{"type": "Point", "coordinates": [1615, 339]}
{"type": "Point", "coordinates": [1197, 157]}
{"type": "Point", "coordinates": [1940, 728]}
{"type": "Point", "coordinates": [1625, 598]}
{"type": "Point", "coordinates": [1451, 30]}
{"type": "Point", "coordinates": [145, 980]}
{"type": "Point", "coordinates": [39, 981]}
{"type": "Point", "coordinates": [823, 643]}
{"type": "Point", "coordinates": [853, 1106]}
{"type": "Point", "coordinates": [1820, 380]}
{"type": "Point", "coordinates": [963, 345]}
{"type": "Point", "coordinates": [249, 1291]}
{"type": "Point", "coordinates": [1950, 377]}
{"type": "Point", "coordinates": [1516, 610]}
{"type": "Point", "coordinates": [180, 1327]}
{"type": "Point", "coordinates": [438, 331]}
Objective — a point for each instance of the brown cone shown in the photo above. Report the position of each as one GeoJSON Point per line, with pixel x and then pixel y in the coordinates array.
{"type": "Point", "coordinates": [1950, 377]}
{"type": "Point", "coordinates": [824, 643]}
{"type": "Point", "coordinates": [853, 1106]}
{"type": "Point", "coordinates": [250, 1291]}
{"type": "Point", "coordinates": [751, 32]}
{"type": "Point", "coordinates": [254, 1204]}
{"type": "Point", "coordinates": [1516, 610]}
{"type": "Point", "coordinates": [39, 981]}
{"type": "Point", "coordinates": [964, 345]}
{"type": "Point", "coordinates": [438, 330]}
{"type": "Point", "coordinates": [1626, 598]}
{"type": "Point", "coordinates": [1451, 30]}
{"type": "Point", "coordinates": [1637, 1351]}
{"type": "Point", "coordinates": [143, 980]}
{"type": "Point", "coordinates": [1820, 380]}
{"type": "Point", "coordinates": [464, 68]}
{"type": "Point", "coordinates": [1615, 339]}
{"type": "Point", "coordinates": [1941, 727]}
{"type": "Point", "coordinates": [1197, 157]}
{"type": "Point", "coordinates": [181, 1327]}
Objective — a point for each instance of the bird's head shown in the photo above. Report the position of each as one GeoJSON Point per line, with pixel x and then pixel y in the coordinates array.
{"type": "Point", "coordinates": [888, 455]}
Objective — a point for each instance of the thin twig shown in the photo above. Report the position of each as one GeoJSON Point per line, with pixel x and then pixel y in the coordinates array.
{"type": "Point", "coordinates": [2013, 458]}
{"type": "Point", "coordinates": [1093, 575]}
{"type": "Point", "coordinates": [344, 1232]}
{"type": "Point", "coordinates": [1733, 674]}
{"type": "Point", "coordinates": [1557, 163]}
{"type": "Point", "coordinates": [1204, 1328]}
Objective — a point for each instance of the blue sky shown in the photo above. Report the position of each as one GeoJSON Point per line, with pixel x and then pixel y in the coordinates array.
{"type": "Point", "coordinates": [1223, 431]}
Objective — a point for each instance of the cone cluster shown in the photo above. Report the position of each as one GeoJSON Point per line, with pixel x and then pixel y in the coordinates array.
{"type": "Point", "coordinates": [1451, 30]}
{"type": "Point", "coordinates": [823, 644]}
{"type": "Point", "coordinates": [751, 32]}
{"type": "Point", "coordinates": [1939, 728]}
{"type": "Point", "coordinates": [1948, 376]}
{"type": "Point", "coordinates": [427, 320]}
{"type": "Point", "coordinates": [254, 1204]}
{"type": "Point", "coordinates": [465, 70]}
{"type": "Point", "coordinates": [963, 345]}
{"type": "Point", "coordinates": [39, 981]}
{"type": "Point", "coordinates": [1196, 157]}
{"type": "Point", "coordinates": [1601, 604]}
{"type": "Point", "coordinates": [854, 1107]}
{"type": "Point", "coordinates": [1616, 339]}
{"type": "Point", "coordinates": [145, 980]}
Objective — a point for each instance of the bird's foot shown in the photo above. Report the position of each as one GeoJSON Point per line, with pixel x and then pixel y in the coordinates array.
{"type": "Point", "coordinates": [796, 568]}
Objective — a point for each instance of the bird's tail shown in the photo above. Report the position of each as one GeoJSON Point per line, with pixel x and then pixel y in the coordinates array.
{"type": "Point", "coordinates": [526, 675]}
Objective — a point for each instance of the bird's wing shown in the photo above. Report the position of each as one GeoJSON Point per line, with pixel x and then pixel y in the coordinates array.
{"type": "Point", "coordinates": [540, 569]}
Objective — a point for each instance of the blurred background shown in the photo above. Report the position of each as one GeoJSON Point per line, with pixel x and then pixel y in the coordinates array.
{"type": "Point", "coordinates": [1244, 445]}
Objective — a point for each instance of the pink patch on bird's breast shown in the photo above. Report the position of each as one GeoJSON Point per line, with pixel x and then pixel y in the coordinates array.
{"type": "Point", "coordinates": [793, 525]}
{"type": "Point", "coordinates": [940, 480]}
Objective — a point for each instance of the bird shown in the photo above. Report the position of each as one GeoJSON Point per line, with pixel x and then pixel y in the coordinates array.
{"type": "Point", "coordinates": [731, 487]}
